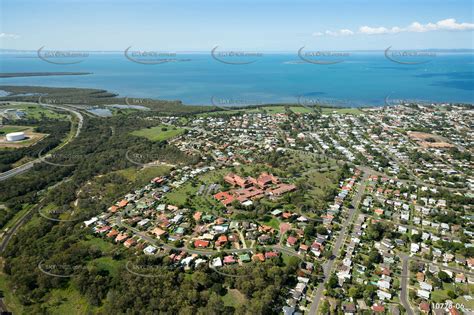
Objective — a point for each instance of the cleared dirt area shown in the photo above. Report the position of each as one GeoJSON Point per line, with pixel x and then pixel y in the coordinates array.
{"type": "Point", "coordinates": [428, 140]}
{"type": "Point", "coordinates": [31, 138]}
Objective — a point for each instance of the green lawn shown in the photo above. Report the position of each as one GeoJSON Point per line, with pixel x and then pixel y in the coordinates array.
{"type": "Point", "coordinates": [107, 263]}
{"type": "Point", "coordinates": [349, 110]}
{"type": "Point", "coordinates": [34, 111]}
{"type": "Point", "coordinates": [287, 259]}
{"type": "Point", "coordinates": [144, 175]}
{"type": "Point", "coordinates": [159, 133]}
{"type": "Point", "coordinates": [274, 223]}
{"type": "Point", "coordinates": [179, 195]}
{"type": "Point", "coordinates": [440, 296]}
{"type": "Point", "coordinates": [234, 298]}
{"type": "Point", "coordinates": [301, 109]}
{"type": "Point", "coordinates": [274, 109]}
{"type": "Point", "coordinates": [101, 244]}
{"type": "Point", "coordinates": [13, 128]}
{"type": "Point", "coordinates": [66, 301]}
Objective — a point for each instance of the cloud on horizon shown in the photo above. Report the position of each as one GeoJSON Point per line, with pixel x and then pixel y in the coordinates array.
{"type": "Point", "coordinates": [415, 27]}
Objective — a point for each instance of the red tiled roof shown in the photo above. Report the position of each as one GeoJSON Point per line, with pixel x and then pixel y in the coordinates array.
{"type": "Point", "coordinates": [271, 254]}
{"type": "Point", "coordinates": [378, 308]}
{"type": "Point", "coordinates": [224, 197]}
{"type": "Point", "coordinates": [197, 216]}
{"type": "Point", "coordinates": [123, 203]}
{"type": "Point", "coordinates": [304, 247]}
{"type": "Point", "coordinates": [158, 232]}
{"type": "Point", "coordinates": [201, 243]}
{"type": "Point", "coordinates": [104, 229]}
{"type": "Point", "coordinates": [112, 233]}
{"type": "Point", "coordinates": [113, 209]}
{"type": "Point", "coordinates": [283, 188]}
{"type": "Point", "coordinates": [424, 306]}
{"type": "Point", "coordinates": [229, 259]}
{"type": "Point", "coordinates": [291, 240]}
{"type": "Point", "coordinates": [258, 256]}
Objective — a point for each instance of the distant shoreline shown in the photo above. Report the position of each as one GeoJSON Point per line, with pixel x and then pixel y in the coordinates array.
{"type": "Point", "coordinates": [38, 74]}
{"type": "Point", "coordinates": [283, 51]}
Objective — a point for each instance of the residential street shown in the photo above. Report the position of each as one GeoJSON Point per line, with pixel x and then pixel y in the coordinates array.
{"type": "Point", "coordinates": [328, 266]}
{"type": "Point", "coordinates": [404, 285]}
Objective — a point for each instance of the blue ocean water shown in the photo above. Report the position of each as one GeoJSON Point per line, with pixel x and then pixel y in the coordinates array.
{"type": "Point", "coordinates": [361, 79]}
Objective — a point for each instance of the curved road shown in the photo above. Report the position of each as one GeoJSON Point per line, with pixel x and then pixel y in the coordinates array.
{"type": "Point", "coordinates": [27, 166]}
{"type": "Point", "coordinates": [157, 243]}
{"type": "Point", "coordinates": [3, 176]}
{"type": "Point", "coordinates": [9, 234]}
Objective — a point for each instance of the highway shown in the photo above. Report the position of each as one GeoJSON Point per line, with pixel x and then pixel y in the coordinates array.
{"type": "Point", "coordinates": [9, 234]}
{"type": "Point", "coordinates": [27, 166]}
{"type": "Point", "coordinates": [329, 265]}
{"type": "Point", "coordinates": [18, 170]}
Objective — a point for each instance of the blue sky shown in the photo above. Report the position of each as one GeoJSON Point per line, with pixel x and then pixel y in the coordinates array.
{"type": "Point", "coordinates": [257, 25]}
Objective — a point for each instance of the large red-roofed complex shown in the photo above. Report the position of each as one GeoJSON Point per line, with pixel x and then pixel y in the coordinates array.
{"type": "Point", "coordinates": [252, 189]}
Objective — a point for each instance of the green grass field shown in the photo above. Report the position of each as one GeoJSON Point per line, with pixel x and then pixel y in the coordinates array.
{"type": "Point", "coordinates": [101, 244]}
{"type": "Point", "coordinates": [37, 112]}
{"type": "Point", "coordinates": [107, 263]}
{"type": "Point", "coordinates": [440, 296]}
{"type": "Point", "coordinates": [159, 133]}
{"type": "Point", "coordinates": [274, 223]}
{"type": "Point", "coordinates": [234, 298]}
{"type": "Point", "coordinates": [13, 128]}
{"type": "Point", "coordinates": [300, 109]}
{"type": "Point", "coordinates": [144, 175]}
{"type": "Point", "coordinates": [66, 301]}
{"type": "Point", "coordinates": [352, 111]}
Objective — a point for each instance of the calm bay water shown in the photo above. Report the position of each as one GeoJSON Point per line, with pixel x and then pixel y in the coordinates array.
{"type": "Point", "coordinates": [361, 79]}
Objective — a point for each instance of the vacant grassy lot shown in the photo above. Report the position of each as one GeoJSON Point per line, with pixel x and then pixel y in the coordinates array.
{"type": "Point", "coordinates": [98, 243]}
{"type": "Point", "coordinates": [159, 133]}
{"type": "Point", "coordinates": [144, 175]}
{"type": "Point", "coordinates": [273, 222]}
{"type": "Point", "coordinates": [234, 298]}
{"type": "Point", "coordinates": [66, 301]}
{"type": "Point", "coordinates": [107, 263]}
{"type": "Point", "coordinates": [13, 128]}
{"type": "Point", "coordinates": [349, 110]}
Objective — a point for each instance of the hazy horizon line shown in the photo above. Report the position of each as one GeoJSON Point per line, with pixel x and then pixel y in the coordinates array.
{"type": "Point", "coordinates": [3, 50]}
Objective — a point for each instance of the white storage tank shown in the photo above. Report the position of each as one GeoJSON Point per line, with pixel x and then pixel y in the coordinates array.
{"type": "Point", "coordinates": [15, 136]}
